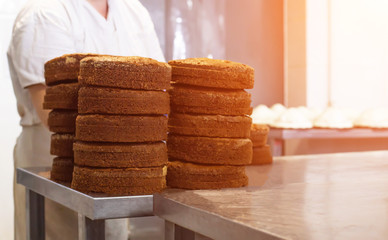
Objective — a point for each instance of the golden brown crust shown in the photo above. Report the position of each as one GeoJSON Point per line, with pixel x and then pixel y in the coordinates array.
{"type": "Point", "coordinates": [259, 134]}
{"type": "Point", "coordinates": [120, 155]}
{"type": "Point", "coordinates": [62, 121]}
{"type": "Point", "coordinates": [131, 181]}
{"type": "Point", "coordinates": [64, 69]}
{"type": "Point", "coordinates": [62, 169]}
{"type": "Point", "coordinates": [205, 150]}
{"type": "Point", "coordinates": [262, 155]}
{"type": "Point", "coordinates": [192, 169]}
{"type": "Point", "coordinates": [122, 101]}
{"type": "Point", "coordinates": [121, 128]}
{"type": "Point", "coordinates": [212, 73]}
{"type": "Point", "coordinates": [195, 176]}
{"type": "Point", "coordinates": [125, 72]}
{"type": "Point", "coordinates": [62, 96]}
{"type": "Point", "coordinates": [147, 189]}
{"type": "Point", "coordinates": [62, 145]}
{"type": "Point", "coordinates": [185, 99]}
{"type": "Point", "coordinates": [209, 125]}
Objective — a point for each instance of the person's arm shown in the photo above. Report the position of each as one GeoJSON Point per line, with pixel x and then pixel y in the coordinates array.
{"type": "Point", "coordinates": [37, 93]}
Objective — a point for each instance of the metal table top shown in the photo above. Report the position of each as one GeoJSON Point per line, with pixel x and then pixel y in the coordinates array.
{"type": "Point", "coordinates": [94, 206]}
{"type": "Point", "coordinates": [328, 196]}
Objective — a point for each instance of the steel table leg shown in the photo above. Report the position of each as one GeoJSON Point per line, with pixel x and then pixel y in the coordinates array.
{"type": "Point", "coordinates": [176, 232]}
{"type": "Point", "coordinates": [90, 229]}
{"type": "Point", "coordinates": [35, 215]}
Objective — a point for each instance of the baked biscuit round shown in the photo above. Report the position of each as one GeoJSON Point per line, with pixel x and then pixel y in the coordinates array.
{"type": "Point", "coordinates": [64, 69]}
{"type": "Point", "coordinates": [262, 155]}
{"type": "Point", "coordinates": [205, 150]}
{"type": "Point", "coordinates": [209, 125]}
{"type": "Point", "coordinates": [120, 155]}
{"type": "Point", "coordinates": [121, 128]}
{"type": "Point", "coordinates": [185, 99]}
{"type": "Point", "coordinates": [62, 169]}
{"type": "Point", "coordinates": [122, 101]}
{"type": "Point", "coordinates": [119, 181]}
{"type": "Point", "coordinates": [195, 176]}
{"type": "Point", "coordinates": [125, 72]}
{"type": "Point", "coordinates": [212, 73]}
{"type": "Point", "coordinates": [62, 121]}
{"type": "Point", "coordinates": [259, 134]}
{"type": "Point", "coordinates": [62, 144]}
{"type": "Point", "coordinates": [62, 96]}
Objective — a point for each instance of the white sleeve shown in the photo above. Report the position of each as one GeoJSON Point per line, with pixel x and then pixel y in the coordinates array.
{"type": "Point", "coordinates": [37, 37]}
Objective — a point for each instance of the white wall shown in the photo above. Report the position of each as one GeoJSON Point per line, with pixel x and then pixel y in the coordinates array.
{"type": "Point", "coordinates": [9, 120]}
{"type": "Point", "coordinates": [347, 53]}
{"type": "Point", "coordinates": [359, 53]}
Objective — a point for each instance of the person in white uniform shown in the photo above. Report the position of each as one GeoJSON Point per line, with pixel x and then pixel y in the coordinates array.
{"type": "Point", "coordinates": [45, 29]}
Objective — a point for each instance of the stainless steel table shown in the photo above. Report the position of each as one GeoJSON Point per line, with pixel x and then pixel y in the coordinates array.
{"type": "Point", "coordinates": [92, 209]}
{"type": "Point", "coordinates": [328, 196]}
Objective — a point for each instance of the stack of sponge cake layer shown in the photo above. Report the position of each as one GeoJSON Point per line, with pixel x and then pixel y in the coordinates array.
{"type": "Point", "coordinates": [121, 126]}
{"type": "Point", "coordinates": [261, 150]}
{"type": "Point", "coordinates": [61, 76]}
{"type": "Point", "coordinates": [209, 125]}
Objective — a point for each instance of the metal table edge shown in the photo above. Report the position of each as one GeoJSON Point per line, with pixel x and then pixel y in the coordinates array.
{"type": "Point", "coordinates": [244, 231]}
{"type": "Point", "coordinates": [80, 202]}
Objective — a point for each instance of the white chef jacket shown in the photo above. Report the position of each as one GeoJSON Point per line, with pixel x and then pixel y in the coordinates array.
{"type": "Point", "coordinates": [46, 29]}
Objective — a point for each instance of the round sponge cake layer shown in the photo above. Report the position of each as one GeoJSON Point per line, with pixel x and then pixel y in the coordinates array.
{"type": "Point", "coordinates": [210, 125]}
{"type": "Point", "coordinates": [62, 121]}
{"type": "Point", "coordinates": [62, 96]}
{"type": "Point", "coordinates": [195, 176]}
{"type": "Point", "coordinates": [262, 155]}
{"type": "Point", "coordinates": [125, 72]}
{"type": "Point", "coordinates": [212, 73]}
{"type": "Point", "coordinates": [118, 181]}
{"type": "Point", "coordinates": [120, 155]}
{"type": "Point", "coordinates": [205, 150]}
{"type": "Point", "coordinates": [62, 145]}
{"type": "Point", "coordinates": [259, 134]}
{"type": "Point", "coordinates": [121, 128]}
{"type": "Point", "coordinates": [196, 100]}
{"type": "Point", "coordinates": [122, 101]}
{"type": "Point", "coordinates": [64, 68]}
{"type": "Point", "coordinates": [62, 169]}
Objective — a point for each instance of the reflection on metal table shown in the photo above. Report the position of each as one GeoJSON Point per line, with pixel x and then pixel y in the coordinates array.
{"type": "Point", "coordinates": [328, 196]}
{"type": "Point", "coordinates": [276, 136]}
{"type": "Point", "coordinates": [92, 209]}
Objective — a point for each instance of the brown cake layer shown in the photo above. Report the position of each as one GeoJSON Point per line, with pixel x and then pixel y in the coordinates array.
{"type": "Point", "coordinates": [118, 181]}
{"type": "Point", "coordinates": [205, 150]}
{"type": "Point", "coordinates": [62, 96]}
{"type": "Point", "coordinates": [62, 144]}
{"type": "Point", "coordinates": [125, 72]}
{"type": "Point", "coordinates": [122, 101]}
{"type": "Point", "coordinates": [185, 99]}
{"type": "Point", "coordinates": [210, 125]}
{"type": "Point", "coordinates": [62, 169]}
{"type": "Point", "coordinates": [120, 155]}
{"type": "Point", "coordinates": [149, 188]}
{"type": "Point", "coordinates": [212, 73]}
{"type": "Point", "coordinates": [194, 176]}
{"type": "Point", "coordinates": [62, 121]}
{"type": "Point", "coordinates": [64, 68]}
{"type": "Point", "coordinates": [261, 155]}
{"type": "Point", "coordinates": [121, 128]}
{"type": "Point", "coordinates": [259, 134]}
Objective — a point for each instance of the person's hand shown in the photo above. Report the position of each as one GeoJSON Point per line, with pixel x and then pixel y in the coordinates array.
{"type": "Point", "coordinates": [37, 93]}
